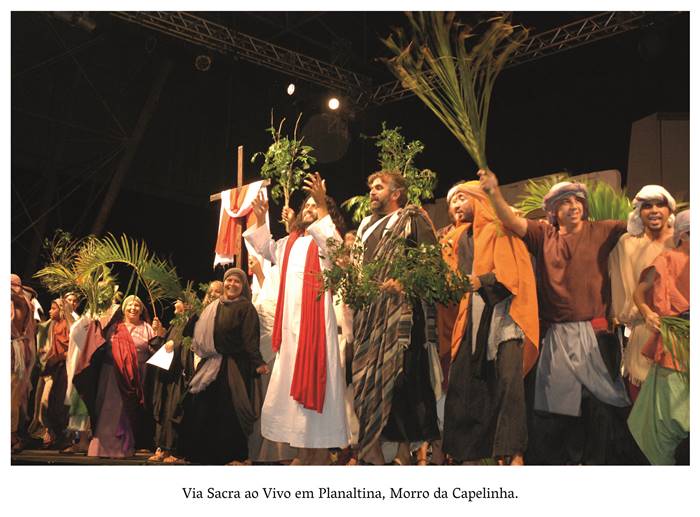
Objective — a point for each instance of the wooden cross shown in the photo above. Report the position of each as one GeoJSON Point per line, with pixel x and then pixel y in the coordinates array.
{"type": "Point", "coordinates": [239, 183]}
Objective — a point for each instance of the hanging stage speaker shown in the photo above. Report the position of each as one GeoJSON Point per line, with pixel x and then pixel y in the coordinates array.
{"type": "Point", "coordinates": [328, 134]}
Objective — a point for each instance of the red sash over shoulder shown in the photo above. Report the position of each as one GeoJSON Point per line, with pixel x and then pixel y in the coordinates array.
{"type": "Point", "coordinates": [309, 379]}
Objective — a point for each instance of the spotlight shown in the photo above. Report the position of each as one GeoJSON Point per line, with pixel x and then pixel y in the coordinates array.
{"type": "Point", "coordinates": [333, 103]}
{"type": "Point", "coordinates": [202, 63]}
{"type": "Point", "coordinates": [290, 89]}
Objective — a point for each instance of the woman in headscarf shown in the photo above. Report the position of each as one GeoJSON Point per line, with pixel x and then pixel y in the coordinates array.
{"type": "Point", "coordinates": [218, 410]}
{"type": "Point", "coordinates": [119, 405]}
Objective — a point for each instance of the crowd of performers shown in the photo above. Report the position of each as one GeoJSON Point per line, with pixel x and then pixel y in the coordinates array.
{"type": "Point", "coordinates": [554, 356]}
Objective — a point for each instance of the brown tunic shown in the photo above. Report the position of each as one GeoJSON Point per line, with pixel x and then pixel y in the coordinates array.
{"type": "Point", "coordinates": [572, 269]}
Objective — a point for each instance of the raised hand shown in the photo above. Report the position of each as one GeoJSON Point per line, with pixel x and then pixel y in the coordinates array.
{"type": "Point", "coordinates": [288, 215]}
{"type": "Point", "coordinates": [260, 207]}
{"type": "Point", "coordinates": [158, 327]}
{"type": "Point", "coordinates": [316, 186]}
{"type": "Point", "coordinates": [487, 180]}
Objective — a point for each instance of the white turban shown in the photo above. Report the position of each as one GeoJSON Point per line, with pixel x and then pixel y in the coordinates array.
{"type": "Point", "coordinates": [681, 226]}
{"type": "Point", "coordinates": [648, 193]}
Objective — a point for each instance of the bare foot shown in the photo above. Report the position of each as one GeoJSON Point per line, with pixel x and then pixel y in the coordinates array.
{"type": "Point", "coordinates": [517, 460]}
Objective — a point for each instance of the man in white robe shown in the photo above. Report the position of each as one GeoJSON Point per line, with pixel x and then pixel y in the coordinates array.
{"type": "Point", "coordinates": [284, 418]}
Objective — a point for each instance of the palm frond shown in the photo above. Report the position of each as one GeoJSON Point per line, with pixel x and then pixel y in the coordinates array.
{"type": "Point", "coordinates": [452, 68]}
{"type": "Point", "coordinates": [60, 274]}
{"type": "Point", "coordinates": [604, 202]}
{"type": "Point", "coordinates": [157, 276]}
{"type": "Point", "coordinates": [535, 190]}
{"type": "Point", "coordinates": [675, 337]}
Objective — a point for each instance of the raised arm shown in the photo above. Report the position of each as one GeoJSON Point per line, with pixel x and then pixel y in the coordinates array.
{"type": "Point", "coordinates": [513, 222]}
{"type": "Point", "coordinates": [260, 237]}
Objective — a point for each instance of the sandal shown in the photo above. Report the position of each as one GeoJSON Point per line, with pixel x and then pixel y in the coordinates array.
{"type": "Point", "coordinates": [73, 449]}
{"type": "Point", "coordinates": [160, 455]}
{"type": "Point", "coordinates": [173, 460]}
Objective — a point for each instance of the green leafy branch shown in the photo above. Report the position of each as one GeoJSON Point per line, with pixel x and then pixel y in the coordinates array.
{"type": "Point", "coordinates": [421, 270]}
{"type": "Point", "coordinates": [287, 161]}
{"type": "Point", "coordinates": [398, 156]}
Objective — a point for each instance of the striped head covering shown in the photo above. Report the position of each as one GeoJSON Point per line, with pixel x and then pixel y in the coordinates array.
{"type": "Point", "coordinates": [558, 192]}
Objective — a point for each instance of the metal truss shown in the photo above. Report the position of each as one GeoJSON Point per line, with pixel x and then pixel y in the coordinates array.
{"type": "Point", "coordinates": [357, 87]}
{"type": "Point", "coordinates": [575, 34]}
{"type": "Point", "coordinates": [219, 38]}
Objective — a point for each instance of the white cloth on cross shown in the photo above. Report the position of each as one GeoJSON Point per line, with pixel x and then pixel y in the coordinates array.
{"type": "Point", "coordinates": [243, 211]}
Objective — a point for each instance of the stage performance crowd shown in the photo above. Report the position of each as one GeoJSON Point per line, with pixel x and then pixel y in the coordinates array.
{"type": "Point", "coordinates": [555, 355]}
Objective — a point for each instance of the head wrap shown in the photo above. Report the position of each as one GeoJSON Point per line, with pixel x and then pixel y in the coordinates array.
{"type": "Point", "coordinates": [648, 193]}
{"type": "Point", "coordinates": [468, 187]}
{"type": "Point", "coordinates": [59, 302]}
{"type": "Point", "coordinates": [558, 192]}
{"type": "Point", "coordinates": [244, 280]}
{"type": "Point", "coordinates": [131, 298]}
{"type": "Point", "coordinates": [681, 226]}
{"type": "Point", "coordinates": [498, 251]}
{"type": "Point", "coordinates": [15, 283]}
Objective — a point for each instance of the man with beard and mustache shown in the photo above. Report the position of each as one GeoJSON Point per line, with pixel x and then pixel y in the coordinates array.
{"type": "Point", "coordinates": [495, 336]}
{"type": "Point", "coordinates": [304, 405]}
{"type": "Point", "coordinates": [395, 336]}
{"type": "Point", "coordinates": [649, 232]}
{"type": "Point", "coordinates": [580, 399]}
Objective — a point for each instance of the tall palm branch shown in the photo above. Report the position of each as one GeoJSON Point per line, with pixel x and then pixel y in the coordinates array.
{"type": "Point", "coordinates": [59, 275]}
{"type": "Point", "coordinates": [157, 276]}
{"type": "Point", "coordinates": [452, 69]}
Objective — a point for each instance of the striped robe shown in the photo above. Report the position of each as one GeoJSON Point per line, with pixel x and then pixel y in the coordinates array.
{"type": "Point", "coordinates": [384, 331]}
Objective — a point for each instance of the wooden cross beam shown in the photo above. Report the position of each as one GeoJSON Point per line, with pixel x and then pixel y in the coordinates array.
{"type": "Point", "coordinates": [239, 184]}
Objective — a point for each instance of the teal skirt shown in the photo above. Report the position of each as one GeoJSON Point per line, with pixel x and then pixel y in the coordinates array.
{"type": "Point", "coordinates": [660, 417]}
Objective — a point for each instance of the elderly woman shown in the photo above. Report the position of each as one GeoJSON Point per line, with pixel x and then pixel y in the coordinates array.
{"type": "Point", "coordinates": [119, 405]}
{"type": "Point", "coordinates": [218, 413]}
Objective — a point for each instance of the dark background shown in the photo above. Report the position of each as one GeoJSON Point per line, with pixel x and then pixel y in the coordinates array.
{"type": "Point", "coordinates": [71, 112]}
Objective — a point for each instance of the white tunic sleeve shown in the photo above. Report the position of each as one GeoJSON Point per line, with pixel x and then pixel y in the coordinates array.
{"type": "Point", "coordinates": [261, 240]}
{"type": "Point", "coordinates": [322, 230]}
